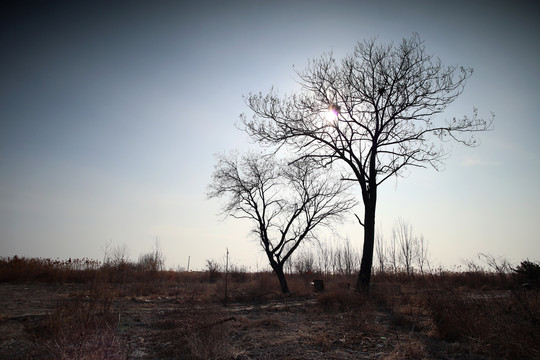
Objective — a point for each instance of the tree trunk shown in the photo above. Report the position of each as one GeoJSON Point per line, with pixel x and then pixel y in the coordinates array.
{"type": "Point", "coordinates": [364, 276]}
{"type": "Point", "coordinates": [278, 269]}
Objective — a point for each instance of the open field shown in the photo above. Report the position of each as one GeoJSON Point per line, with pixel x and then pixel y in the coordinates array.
{"type": "Point", "coordinates": [170, 315]}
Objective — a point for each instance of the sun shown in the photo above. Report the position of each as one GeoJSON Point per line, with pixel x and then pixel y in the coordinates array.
{"type": "Point", "coordinates": [331, 115]}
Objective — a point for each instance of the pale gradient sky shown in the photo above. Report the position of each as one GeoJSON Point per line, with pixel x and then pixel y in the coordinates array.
{"type": "Point", "coordinates": [110, 116]}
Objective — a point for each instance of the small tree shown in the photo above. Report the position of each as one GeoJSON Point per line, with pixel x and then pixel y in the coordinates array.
{"type": "Point", "coordinates": [285, 202]}
{"type": "Point", "coordinates": [411, 250]}
{"type": "Point", "coordinates": [422, 254]}
{"type": "Point", "coordinates": [384, 102]}
{"type": "Point", "coordinates": [153, 261]}
{"type": "Point", "coordinates": [380, 250]}
{"type": "Point", "coordinates": [392, 254]}
{"type": "Point", "coordinates": [407, 244]}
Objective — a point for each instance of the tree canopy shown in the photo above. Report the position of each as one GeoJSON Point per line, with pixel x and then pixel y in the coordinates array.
{"type": "Point", "coordinates": [376, 112]}
{"type": "Point", "coordinates": [286, 202]}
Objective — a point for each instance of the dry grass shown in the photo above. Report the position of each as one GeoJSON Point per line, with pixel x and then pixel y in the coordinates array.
{"type": "Point", "coordinates": [82, 327]}
{"type": "Point", "coordinates": [18, 269]}
{"type": "Point", "coordinates": [494, 324]}
{"type": "Point", "coordinates": [341, 301]}
{"type": "Point", "coordinates": [409, 349]}
{"type": "Point", "coordinates": [193, 333]}
{"type": "Point", "coordinates": [487, 314]}
{"type": "Point", "coordinates": [210, 337]}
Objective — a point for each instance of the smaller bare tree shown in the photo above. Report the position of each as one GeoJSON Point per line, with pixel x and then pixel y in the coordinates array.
{"type": "Point", "coordinates": [422, 254]}
{"type": "Point", "coordinates": [408, 249]}
{"type": "Point", "coordinates": [392, 255]}
{"type": "Point", "coordinates": [380, 250]}
{"type": "Point", "coordinates": [305, 263]}
{"type": "Point", "coordinates": [153, 261]}
{"type": "Point", "coordinates": [346, 259]}
{"type": "Point", "coordinates": [286, 202]}
{"type": "Point", "coordinates": [324, 258]}
{"type": "Point", "coordinates": [403, 235]}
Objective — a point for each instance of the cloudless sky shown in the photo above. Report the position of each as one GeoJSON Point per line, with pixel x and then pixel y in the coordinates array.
{"type": "Point", "coordinates": [111, 113]}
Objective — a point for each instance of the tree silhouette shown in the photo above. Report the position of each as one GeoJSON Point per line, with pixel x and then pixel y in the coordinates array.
{"type": "Point", "coordinates": [285, 202]}
{"type": "Point", "coordinates": [383, 102]}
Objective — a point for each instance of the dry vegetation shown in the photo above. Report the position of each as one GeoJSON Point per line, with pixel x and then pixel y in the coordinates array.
{"type": "Point", "coordinates": [81, 309]}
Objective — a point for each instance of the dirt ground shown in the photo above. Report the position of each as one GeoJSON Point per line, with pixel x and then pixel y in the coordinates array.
{"type": "Point", "coordinates": [173, 327]}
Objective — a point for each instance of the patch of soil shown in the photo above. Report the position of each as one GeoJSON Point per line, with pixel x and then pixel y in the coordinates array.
{"type": "Point", "coordinates": [170, 327]}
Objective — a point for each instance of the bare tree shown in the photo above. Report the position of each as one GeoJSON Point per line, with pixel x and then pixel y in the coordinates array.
{"type": "Point", "coordinates": [285, 202]}
{"type": "Point", "coordinates": [393, 255]}
{"type": "Point", "coordinates": [380, 250]}
{"type": "Point", "coordinates": [408, 249]}
{"type": "Point", "coordinates": [152, 261]}
{"type": "Point", "coordinates": [407, 244]}
{"type": "Point", "coordinates": [345, 259]}
{"type": "Point", "coordinates": [383, 102]}
{"type": "Point", "coordinates": [422, 256]}
{"type": "Point", "coordinates": [305, 263]}
{"type": "Point", "coordinates": [324, 258]}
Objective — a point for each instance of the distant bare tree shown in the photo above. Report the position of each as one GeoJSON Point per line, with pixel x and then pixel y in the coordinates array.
{"type": "Point", "coordinates": [305, 263]}
{"type": "Point", "coordinates": [324, 258]}
{"type": "Point", "coordinates": [338, 259]}
{"type": "Point", "coordinates": [407, 244]}
{"type": "Point", "coordinates": [383, 102]}
{"type": "Point", "coordinates": [392, 255]}
{"type": "Point", "coordinates": [380, 250]}
{"type": "Point", "coordinates": [345, 258]}
{"type": "Point", "coordinates": [410, 249]}
{"type": "Point", "coordinates": [285, 202]}
{"type": "Point", "coordinates": [120, 255]}
{"type": "Point", "coordinates": [152, 261]}
{"type": "Point", "coordinates": [422, 254]}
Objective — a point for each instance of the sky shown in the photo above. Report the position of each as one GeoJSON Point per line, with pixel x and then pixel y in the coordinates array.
{"type": "Point", "coordinates": [111, 114]}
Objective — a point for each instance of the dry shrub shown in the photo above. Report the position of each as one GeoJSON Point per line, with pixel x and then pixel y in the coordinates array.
{"type": "Point", "coordinates": [485, 312]}
{"type": "Point", "coordinates": [21, 269]}
{"type": "Point", "coordinates": [81, 328]}
{"type": "Point", "coordinates": [494, 324]}
{"type": "Point", "coordinates": [340, 300]}
{"type": "Point", "coordinates": [238, 274]}
{"type": "Point", "coordinates": [260, 288]}
{"type": "Point", "coordinates": [299, 285]}
{"type": "Point", "coordinates": [454, 316]}
{"type": "Point", "coordinates": [471, 280]}
{"type": "Point", "coordinates": [192, 333]}
{"type": "Point", "coordinates": [209, 337]}
{"type": "Point", "coordinates": [410, 349]}
{"type": "Point", "coordinates": [320, 339]}
{"type": "Point", "coordinates": [385, 294]}
{"type": "Point", "coordinates": [268, 322]}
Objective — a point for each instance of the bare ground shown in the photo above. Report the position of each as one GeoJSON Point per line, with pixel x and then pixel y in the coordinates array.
{"type": "Point", "coordinates": [180, 327]}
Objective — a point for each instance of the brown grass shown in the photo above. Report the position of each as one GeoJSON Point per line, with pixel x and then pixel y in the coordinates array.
{"type": "Point", "coordinates": [18, 269]}
{"type": "Point", "coordinates": [489, 314]}
{"type": "Point", "coordinates": [193, 333]}
{"type": "Point", "coordinates": [499, 324]}
{"type": "Point", "coordinates": [82, 327]}
{"type": "Point", "coordinates": [485, 313]}
{"type": "Point", "coordinates": [341, 301]}
{"type": "Point", "coordinates": [209, 338]}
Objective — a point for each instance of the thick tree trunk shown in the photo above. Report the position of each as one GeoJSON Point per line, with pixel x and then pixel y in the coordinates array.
{"type": "Point", "coordinates": [364, 276]}
{"type": "Point", "coordinates": [278, 269]}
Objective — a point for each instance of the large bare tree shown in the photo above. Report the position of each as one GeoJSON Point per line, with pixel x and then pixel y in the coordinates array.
{"type": "Point", "coordinates": [286, 202]}
{"type": "Point", "coordinates": [385, 103]}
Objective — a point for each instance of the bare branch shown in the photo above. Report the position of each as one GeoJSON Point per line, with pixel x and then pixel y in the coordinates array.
{"type": "Point", "coordinates": [390, 97]}
{"type": "Point", "coordinates": [286, 201]}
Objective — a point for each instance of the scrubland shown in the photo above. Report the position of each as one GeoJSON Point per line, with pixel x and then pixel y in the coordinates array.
{"type": "Point", "coordinates": [81, 309]}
